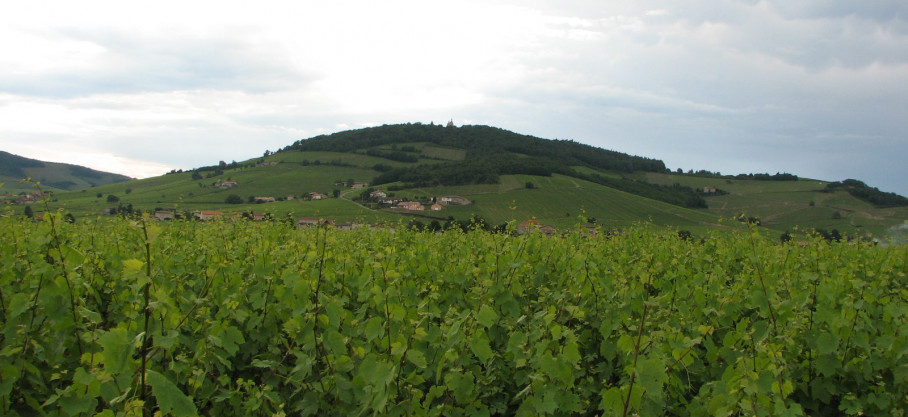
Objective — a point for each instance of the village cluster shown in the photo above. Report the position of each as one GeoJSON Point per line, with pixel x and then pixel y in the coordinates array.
{"type": "Point", "coordinates": [23, 198]}
{"type": "Point", "coordinates": [376, 196]}
{"type": "Point", "coordinates": [306, 222]}
{"type": "Point", "coordinates": [436, 204]}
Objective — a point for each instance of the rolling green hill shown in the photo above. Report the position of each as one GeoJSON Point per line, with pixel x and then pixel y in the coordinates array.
{"type": "Point", "coordinates": [506, 176]}
{"type": "Point", "coordinates": [52, 175]}
{"type": "Point", "coordinates": [786, 205]}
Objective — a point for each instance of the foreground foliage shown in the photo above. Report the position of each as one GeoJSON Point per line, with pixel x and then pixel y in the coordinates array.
{"type": "Point", "coordinates": [237, 318]}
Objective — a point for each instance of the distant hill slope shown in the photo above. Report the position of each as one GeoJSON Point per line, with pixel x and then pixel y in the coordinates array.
{"type": "Point", "coordinates": [52, 175]}
{"type": "Point", "coordinates": [506, 176]}
{"type": "Point", "coordinates": [480, 143]}
{"type": "Point", "coordinates": [487, 153]}
{"type": "Point", "coordinates": [785, 205]}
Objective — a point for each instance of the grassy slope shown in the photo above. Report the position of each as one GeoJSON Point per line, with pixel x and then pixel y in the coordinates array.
{"type": "Point", "coordinates": [782, 205]}
{"type": "Point", "coordinates": [182, 192]}
{"type": "Point", "coordinates": [560, 200]}
{"type": "Point", "coordinates": [440, 152]}
{"type": "Point", "coordinates": [51, 173]}
{"type": "Point", "coordinates": [556, 200]}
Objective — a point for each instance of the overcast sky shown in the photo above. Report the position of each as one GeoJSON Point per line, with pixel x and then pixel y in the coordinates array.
{"type": "Point", "coordinates": [815, 88]}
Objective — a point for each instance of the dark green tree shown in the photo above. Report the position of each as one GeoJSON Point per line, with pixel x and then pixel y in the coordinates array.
{"type": "Point", "coordinates": [785, 237]}
{"type": "Point", "coordinates": [28, 212]}
{"type": "Point", "coordinates": [835, 235]}
{"type": "Point", "coordinates": [234, 199]}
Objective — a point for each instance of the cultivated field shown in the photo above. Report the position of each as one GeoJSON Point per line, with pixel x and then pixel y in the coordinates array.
{"type": "Point", "coordinates": [129, 317]}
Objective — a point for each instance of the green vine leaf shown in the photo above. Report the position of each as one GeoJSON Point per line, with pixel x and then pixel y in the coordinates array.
{"type": "Point", "coordinates": [170, 398]}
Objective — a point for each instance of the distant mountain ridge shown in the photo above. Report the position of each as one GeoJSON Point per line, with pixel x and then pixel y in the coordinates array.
{"type": "Point", "coordinates": [55, 175]}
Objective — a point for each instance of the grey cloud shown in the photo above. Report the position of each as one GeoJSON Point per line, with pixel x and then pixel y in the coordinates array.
{"type": "Point", "coordinates": [136, 64]}
{"type": "Point", "coordinates": [811, 87]}
{"type": "Point", "coordinates": [822, 44]}
{"type": "Point", "coordinates": [816, 90]}
{"type": "Point", "coordinates": [879, 10]}
{"type": "Point", "coordinates": [816, 35]}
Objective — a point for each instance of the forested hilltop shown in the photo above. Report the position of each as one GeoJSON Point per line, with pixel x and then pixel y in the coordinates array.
{"type": "Point", "coordinates": [490, 152]}
{"type": "Point", "coordinates": [480, 142]}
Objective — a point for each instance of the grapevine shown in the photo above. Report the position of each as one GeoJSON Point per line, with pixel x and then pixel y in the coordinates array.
{"type": "Point", "coordinates": [116, 318]}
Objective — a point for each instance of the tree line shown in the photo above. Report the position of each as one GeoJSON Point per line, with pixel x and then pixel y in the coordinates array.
{"type": "Point", "coordinates": [488, 171]}
{"type": "Point", "coordinates": [783, 176]}
{"type": "Point", "coordinates": [864, 192]}
{"type": "Point", "coordinates": [479, 142]}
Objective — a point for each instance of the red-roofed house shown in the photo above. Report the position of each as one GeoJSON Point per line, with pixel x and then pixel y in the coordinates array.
{"type": "Point", "coordinates": [312, 222]}
{"type": "Point", "coordinates": [533, 226]}
{"type": "Point", "coordinates": [452, 200]}
{"type": "Point", "coordinates": [225, 184]}
{"type": "Point", "coordinates": [207, 214]}
{"type": "Point", "coordinates": [411, 205]}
